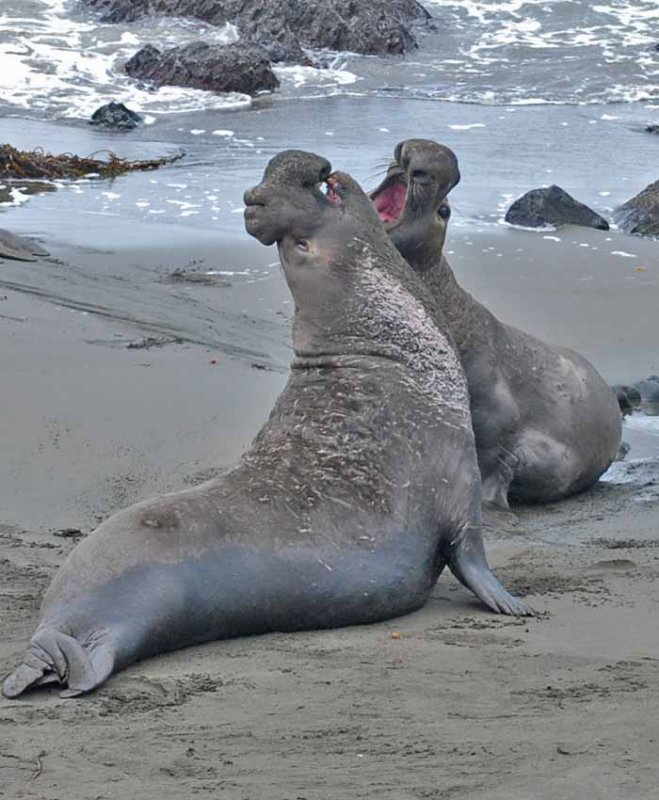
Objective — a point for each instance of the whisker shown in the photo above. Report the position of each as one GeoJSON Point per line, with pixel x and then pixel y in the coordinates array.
{"type": "Point", "coordinates": [382, 163]}
{"type": "Point", "coordinates": [376, 174]}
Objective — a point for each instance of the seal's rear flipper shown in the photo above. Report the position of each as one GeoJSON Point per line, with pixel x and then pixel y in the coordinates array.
{"type": "Point", "coordinates": [55, 657]}
{"type": "Point", "coordinates": [468, 563]}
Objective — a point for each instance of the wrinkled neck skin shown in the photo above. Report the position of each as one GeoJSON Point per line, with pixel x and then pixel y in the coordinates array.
{"type": "Point", "coordinates": [366, 304]}
{"type": "Point", "coordinates": [422, 247]}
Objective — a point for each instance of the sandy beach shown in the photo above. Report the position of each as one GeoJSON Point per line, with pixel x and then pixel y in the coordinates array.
{"type": "Point", "coordinates": [120, 381]}
{"type": "Point", "coordinates": [144, 354]}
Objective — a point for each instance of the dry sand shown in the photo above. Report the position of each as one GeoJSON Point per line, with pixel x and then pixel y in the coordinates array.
{"type": "Point", "coordinates": [462, 704]}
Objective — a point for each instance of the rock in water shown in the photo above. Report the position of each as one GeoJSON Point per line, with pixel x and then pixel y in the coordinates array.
{"type": "Point", "coordinates": [640, 215]}
{"type": "Point", "coordinates": [216, 68]}
{"type": "Point", "coordinates": [652, 128]}
{"type": "Point", "coordinates": [552, 206]}
{"type": "Point", "coordinates": [360, 26]}
{"type": "Point", "coordinates": [116, 116]}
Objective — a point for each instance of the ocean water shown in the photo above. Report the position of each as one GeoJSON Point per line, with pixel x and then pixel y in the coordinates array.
{"type": "Point", "coordinates": [57, 60]}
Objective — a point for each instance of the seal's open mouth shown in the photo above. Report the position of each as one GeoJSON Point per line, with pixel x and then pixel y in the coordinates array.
{"type": "Point", "coordinates": [334, 190]}
{"type": "Point", "coordinates": [390, 197]}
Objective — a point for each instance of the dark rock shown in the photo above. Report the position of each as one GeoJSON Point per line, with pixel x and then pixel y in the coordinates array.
{"type": "Point", "coordinates": [286, 52]}
{"type": "Point", "coordinates": [640, 215]}
{"type": "Point", "coordinates": [117, 116]}
{"type": "Point", "coordinates": [652, 128]}
{"type": "Point", "coordinates": [216, 68]}
{"type": "Point", "coordinates": [552, 206]}
{"type": "Point", "coordinates": [360, 26]}
{"type": "Point", "coordinates": [629, 398]}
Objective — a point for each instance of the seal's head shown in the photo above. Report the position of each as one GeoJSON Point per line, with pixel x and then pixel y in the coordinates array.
{"type": "Point", "coordinates": [331, 244]}
{"type": "Point", "coordinates": [353, 292]}
{"type": "Point", "coordinates": [412, 199]}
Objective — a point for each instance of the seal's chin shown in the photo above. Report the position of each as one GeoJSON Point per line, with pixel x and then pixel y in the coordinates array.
{"type": "Point", "coordinates": [390, 197]}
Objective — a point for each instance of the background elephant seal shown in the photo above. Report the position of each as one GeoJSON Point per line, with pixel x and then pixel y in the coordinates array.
{"type": "Point", "coordinates": [354, 496]}
{"type": "Point", "coordinates": [546, 423]}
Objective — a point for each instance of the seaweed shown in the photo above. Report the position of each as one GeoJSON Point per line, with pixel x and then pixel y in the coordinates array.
{"type": "Point", "coordinates": [17, 164]}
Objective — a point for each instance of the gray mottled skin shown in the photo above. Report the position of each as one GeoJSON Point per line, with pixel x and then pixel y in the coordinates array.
{"type": "Point", "coordinates": [546, 423]}
{"type": "Point", "coordinates": [353, 497]}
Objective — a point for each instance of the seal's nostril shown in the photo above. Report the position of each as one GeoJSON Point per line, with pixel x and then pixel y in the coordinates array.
{"type": "Point", "coordinates": [398, 152]}
{"type": "Point", "coordinates": [420, 175]}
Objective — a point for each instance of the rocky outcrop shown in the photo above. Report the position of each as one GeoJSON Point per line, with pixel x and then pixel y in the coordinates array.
{"type": "Point", "coordinates": [640, 215]}
{"type": "Point", "coordinates": [641, 396]}
{"type": "Point", "coordinates": [116, 117]}
{"type": "Point", "coordinates": [360, 26]}
{"type": "Point", "coordinates": [216, 68]}
{"type": "Point", "coordinates": [552, 206]}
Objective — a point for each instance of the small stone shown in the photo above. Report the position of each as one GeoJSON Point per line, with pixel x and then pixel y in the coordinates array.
{"type": "Point", "coordinates": [116, 116]}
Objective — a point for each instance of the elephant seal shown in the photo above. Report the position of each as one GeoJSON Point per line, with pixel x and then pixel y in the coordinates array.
{"type": "Point", "coordinates": [546, 423]}
{"type": "Point", "coordinates": [353, 497]}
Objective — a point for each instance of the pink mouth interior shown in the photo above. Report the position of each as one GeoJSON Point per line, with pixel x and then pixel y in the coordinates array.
{"type": "Point", "coordinates": [390, 202]}
{"type": "Point", "coordinates": [333, 196]}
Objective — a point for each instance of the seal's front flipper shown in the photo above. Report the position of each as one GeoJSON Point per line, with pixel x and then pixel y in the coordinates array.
{"type": "Point", "coordinates": [56, 657]}
{"type": "Point", "coordinates": [497, 519]}
{"type": "Point", "coordinates": [496, 483]}
{"type": "Point", "coordinates": [468, 563]}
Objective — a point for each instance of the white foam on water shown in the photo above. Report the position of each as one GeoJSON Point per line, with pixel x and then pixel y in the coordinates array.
{"type": "Point", "coordinates": [64, 62]}
{"type": "Point", "coordinates": [58, 60]}
{"type": "Point", "coordinates": [298, 76]}
{"type": "Point", "coordinates": [633, 471]}
{"type": "Point", "coordinates": [17, 198]}
{"type": "Point", "coordinates": [577, 51]}
{"type": "Point", "coordinates": [643, 423]}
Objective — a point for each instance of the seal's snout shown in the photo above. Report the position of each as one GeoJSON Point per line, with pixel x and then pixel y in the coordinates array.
{"type": "Point", "coordinates": [428, 163]}
{"type": "Point", "coordinates": [254, 196]}
{"type": "Point", "coordinates": [258, 219]}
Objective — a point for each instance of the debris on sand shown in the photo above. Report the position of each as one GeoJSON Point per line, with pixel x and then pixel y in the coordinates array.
{"type": "Point", "coordinates": [21, 164]}
{"type": "Point", "coordinates": [182, 275]}
{"type": "Point", "coordinates": [19, 248]}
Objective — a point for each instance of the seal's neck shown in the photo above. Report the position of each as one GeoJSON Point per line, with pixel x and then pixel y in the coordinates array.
{"type": "Point", "coordinates": [465, 317]}
{"type": "Point", "coordinates": [377, 315]}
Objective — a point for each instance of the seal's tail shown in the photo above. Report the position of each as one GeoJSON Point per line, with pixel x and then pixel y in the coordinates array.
{"type": "Point", "coordinates": [56, 657]}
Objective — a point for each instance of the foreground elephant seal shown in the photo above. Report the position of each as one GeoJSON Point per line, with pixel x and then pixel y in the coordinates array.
{"type": "Point", "coordinates": [546, 423]}
{"type": "Point", "coordinates": [354, 496]}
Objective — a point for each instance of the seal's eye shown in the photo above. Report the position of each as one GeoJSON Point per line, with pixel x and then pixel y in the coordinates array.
{"type": "Point", "coordinates": [302, 245]}
{"type": "Point", "coordinates": [444, 212]}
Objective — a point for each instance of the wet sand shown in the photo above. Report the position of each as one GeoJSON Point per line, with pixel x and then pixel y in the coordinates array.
{"type": "Point", "coordinates": [119, 381]}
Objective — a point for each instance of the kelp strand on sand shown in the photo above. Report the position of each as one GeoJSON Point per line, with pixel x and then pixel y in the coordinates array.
{"type": "Point", "coordinates": [39, 164]}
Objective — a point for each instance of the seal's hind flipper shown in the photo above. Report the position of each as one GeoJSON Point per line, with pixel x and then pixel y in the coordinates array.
{"type": "Point", "coordinates": [55, 657]}
{"type": "Point", "coordinates": [468, 563]}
